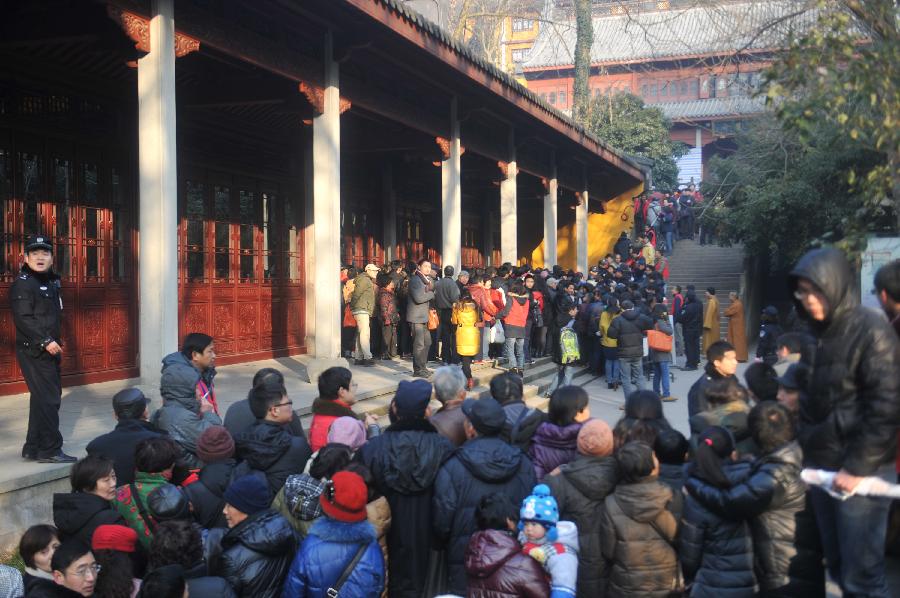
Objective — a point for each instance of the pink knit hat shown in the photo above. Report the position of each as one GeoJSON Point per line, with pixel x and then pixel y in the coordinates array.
{"type": "Point", "coordinates": [595, 439]}
{"type": "Point", "coordinates": [348, 430]}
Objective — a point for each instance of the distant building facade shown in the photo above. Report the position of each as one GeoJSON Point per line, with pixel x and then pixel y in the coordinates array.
{"type": "Point", "coordinates": [700, 64]}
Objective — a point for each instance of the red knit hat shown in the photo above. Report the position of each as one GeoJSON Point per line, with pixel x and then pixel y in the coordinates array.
{"type": "Point", "coordinates": [345, 497]}
{"type": "Point", "coordinates": [114, 537]}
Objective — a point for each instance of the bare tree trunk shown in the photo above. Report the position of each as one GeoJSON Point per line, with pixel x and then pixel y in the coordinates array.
{"type": "Point", "coordinates": [584, 37]}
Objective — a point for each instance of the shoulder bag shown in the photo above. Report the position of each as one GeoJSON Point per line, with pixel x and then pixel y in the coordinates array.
{"type": "Point", "coordinates": [335, 590]}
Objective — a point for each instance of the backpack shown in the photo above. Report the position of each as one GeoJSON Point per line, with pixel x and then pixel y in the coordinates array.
{"type": "Point", "coordinates": [568, 346]}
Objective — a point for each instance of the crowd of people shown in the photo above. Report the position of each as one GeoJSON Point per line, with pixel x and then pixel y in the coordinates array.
{"type": "Point", "coordinates": [490, 497]}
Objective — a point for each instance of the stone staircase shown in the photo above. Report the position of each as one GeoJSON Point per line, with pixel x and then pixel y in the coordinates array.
{"type": "Point", "coordinates": [707, 266]}
{"type": "Point", "coordinates": [537, 380]}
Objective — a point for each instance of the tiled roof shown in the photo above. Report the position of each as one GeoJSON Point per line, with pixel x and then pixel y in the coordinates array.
{"type": "Point", "coordinates": [443, 37]}
{"type": "Point", "coordinates": [704, 29]}
{"type": "Point", "coordinates": [711, 108]}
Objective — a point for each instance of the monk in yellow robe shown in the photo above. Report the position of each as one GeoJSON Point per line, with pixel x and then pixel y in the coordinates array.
{"type": "Point", "coordinates": [711, 319]}
{"type": "Point", "coordinates": [737, 328]}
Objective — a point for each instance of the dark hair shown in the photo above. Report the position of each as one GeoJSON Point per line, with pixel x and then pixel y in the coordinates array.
{"type": "Point", "coordinates": [264, 395]}
{"type": "Point", "coordinates": [153, 455]}
{"type": "Point", "coordinates": [503, 270]}
{"type": "Point", "coordinates": [762, 380]}
{"type": "Point", "coordinates": [422, 261]}
{"type": "Point", "coordinates": [175, 542]}
{"type": "Point", "coordinates": [506, 388]}
{"type": "Point", "coordinates": [68, 552]}
{"type": "Point", "coordinates": [634, 430]}
{"type": "Point", "coordinates": [714, 445]}
{"type": "Point", "coordinates": [332, 380]}
{"type": "Point", "coordinates": [164, 582]}
{"type": "Point", "coordinates": [494, 511]}
{"type": "Point", "coordinates": [331, 458]}
{"type": "Point", "coordinates": [518, 288]}
{"type": "Point", "coordinates": [717, 350]}
{"type": "Point", "coordinates": [724, 390]}
{"type": "Point", "coordinates": [35, 539]}
{"type": "Point", "coordinates": [448, 271]}
{"type": "Point", "coordinates": [887, 278]}
{"type": "Point", "coordinates": [565, 403]}
{"type": "Point", "coordinates": [635, 461]}
{"type": "Point", "coordinates": [266, 374]}
{"type": "Point", "coordinates": [116, 576]}
{"type": "Point", "coordinates": [671, 447]}
{"type": "Point", "coordinates": [383, 280]}
{"type": "Point", "coordinates": [711, 290]}
{"type": "Point", "coordinates": [644, 404]}
{"type": "Point", "coordinates": [87, 471]}
{"type": "Point", "coordinates": [366, 474]}
{"type": "Point", "coordinates": [792, 341]}
{"type": "Point", "coordinates": [627, 304]}
{"type": "Point", "coordinates": [677, 288]}
{"type": "Point", "coordinates": [771, 425]}
{"type": "Point", "coordinates": [195, 342]}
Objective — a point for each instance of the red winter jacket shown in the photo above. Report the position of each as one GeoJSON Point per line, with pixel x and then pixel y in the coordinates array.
{"type": "Point", "coordinates": [481, 296]}
{"type": "Point", "coordinates": [514, 315]}
{"type": "Point", "coordinates": [496, 568]}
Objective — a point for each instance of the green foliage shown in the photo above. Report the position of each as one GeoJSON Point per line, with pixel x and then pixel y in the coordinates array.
{"type": "Point", "coordinates": [843, 72]}
{"type": "Point", "coordinates": [623, 121]}
{"type": "Point", "coordinates": [782, 191]}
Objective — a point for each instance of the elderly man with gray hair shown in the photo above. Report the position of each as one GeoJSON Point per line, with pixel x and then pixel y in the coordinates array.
{"type": "Point", "coordinates": [450, 389]}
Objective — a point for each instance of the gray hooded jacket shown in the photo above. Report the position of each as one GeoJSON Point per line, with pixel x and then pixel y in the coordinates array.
{"type": "Point", "coordinates": [180, 414]}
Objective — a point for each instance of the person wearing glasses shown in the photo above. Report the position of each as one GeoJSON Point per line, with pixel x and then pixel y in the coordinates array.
{"type": "Point", "coordinates": [268, 445]}
{"type": "Point", "coordinates": [74, 572]}
{"type": "Point", "coordinates": [848, 417]}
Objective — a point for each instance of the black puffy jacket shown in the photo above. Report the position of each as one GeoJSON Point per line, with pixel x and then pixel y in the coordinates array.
{"type": "Point", "coordinates": [580, 489]}
{"type": "Point", "coordinates": [404, 462]}
{"type": "Point", "coordinates": [716, 553]}
{"type": "Point", "coordinates": [786, 546]}
{"type": "Point", "coordinates": [481, 466]}
{"type": "Point", "coordinates": [628, 329]}
{"type": "Point", "coordinates": [270, 448]}
{"type": "Point", "coordinates": [850, 416]}
{"type": "Point", "coordinates": [78, 514]}
{"type": "Point", "coordinates": [254, 556]}
{"type": "Point", "coordinates": [206, 494]}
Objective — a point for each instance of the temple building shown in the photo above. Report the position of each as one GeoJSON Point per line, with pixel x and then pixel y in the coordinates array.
{"type": "Point", "coordinates": [207, 165]}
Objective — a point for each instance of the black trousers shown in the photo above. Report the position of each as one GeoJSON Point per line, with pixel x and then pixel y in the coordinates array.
{"type": "Point", "coordinates": [447, 334]}
{"type": "Point", "coordinates": [692, 348]}
{"type": "Point", "coordinates": [43, 379]}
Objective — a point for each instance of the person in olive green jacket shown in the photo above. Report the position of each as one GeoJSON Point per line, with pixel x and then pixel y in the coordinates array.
{"type": "Point", "coordinates": [362, 306]}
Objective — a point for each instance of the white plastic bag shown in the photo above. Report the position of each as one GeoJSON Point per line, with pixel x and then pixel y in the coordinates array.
{"type": "Point", "coordinates": [497, 335]}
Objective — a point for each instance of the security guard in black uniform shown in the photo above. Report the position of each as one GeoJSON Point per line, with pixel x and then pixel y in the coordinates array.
{"type": "Point", "coordinates": [37, 310]}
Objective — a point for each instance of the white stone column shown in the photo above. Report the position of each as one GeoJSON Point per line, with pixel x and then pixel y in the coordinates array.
{"type": "Point", "coordinates": [451, 198]}
{"type": "Point", "coordinates": [326, 269]}
{"type": "Point", "coordinates": [550, 206]}
{"type": "Point", "coordinates": [158, 185]}
{"type": "Point", "coordinates": [389, 199]}
{"type": "Point", "coordinates": [509, 250]}
{"type": "Point", "coordinates": [581, 230]}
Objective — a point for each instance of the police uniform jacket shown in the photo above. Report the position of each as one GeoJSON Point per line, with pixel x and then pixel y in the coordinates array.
{"type": "Point", "coordinates": [36, 308]}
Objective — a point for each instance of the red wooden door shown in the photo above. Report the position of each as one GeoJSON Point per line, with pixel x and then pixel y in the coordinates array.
{"type": "Point", "coordinates": [83, 197]}
{"type": "Point", "coordinates": [240, 265]}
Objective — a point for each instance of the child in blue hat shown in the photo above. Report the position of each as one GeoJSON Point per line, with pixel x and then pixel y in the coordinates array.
{"type": "Point", "coordinates": [551, 542]}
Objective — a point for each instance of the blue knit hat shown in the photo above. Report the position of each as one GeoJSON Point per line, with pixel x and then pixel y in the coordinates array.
{"type": "Point", "coordinates": [248, 494]}
{"type": "Point", "coordinates": [541, 508]}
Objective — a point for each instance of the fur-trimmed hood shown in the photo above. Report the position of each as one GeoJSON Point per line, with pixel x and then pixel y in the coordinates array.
{"type": "Point", "coordinates": [331, 530]}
